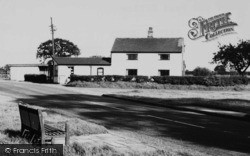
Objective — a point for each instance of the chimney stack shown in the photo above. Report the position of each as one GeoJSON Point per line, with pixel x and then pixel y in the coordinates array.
{"type": "Point", "coordinates": [150, 32]}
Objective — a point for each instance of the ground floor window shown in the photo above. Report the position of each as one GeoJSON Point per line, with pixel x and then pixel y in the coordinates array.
{"type": "Point", "coordinates": [43, 70]}
{"type": "Point", "coordinates": [100, 71]}
{"type": "Point", "coordinates": [71, 70]}
{"type": "Point", "coordinates": [164, 72]}
{"type": "Point", "coordinates": [132, 72]}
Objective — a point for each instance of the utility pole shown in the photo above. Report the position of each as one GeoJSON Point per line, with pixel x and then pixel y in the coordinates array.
{"type": "Point", "coordinates": [52, 29]}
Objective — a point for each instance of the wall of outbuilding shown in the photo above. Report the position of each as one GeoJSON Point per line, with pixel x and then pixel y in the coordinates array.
{"type": "Point", "coordinates": [64, 71]}
{"type": "Point", "coordinates": [17, 73]}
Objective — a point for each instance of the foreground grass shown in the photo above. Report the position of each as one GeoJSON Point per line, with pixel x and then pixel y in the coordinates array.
{"type": "Point", "coordinates": [10, 134]}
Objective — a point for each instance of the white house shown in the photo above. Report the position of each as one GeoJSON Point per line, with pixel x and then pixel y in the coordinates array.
{"type": "Point", "coordinates": [17, 71]}
{"type": "Point", "coordinates": [148, 56]}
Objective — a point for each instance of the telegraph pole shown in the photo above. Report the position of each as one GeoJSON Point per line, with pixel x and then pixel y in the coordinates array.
{"type": "Point", "coordinates": [52, 29]}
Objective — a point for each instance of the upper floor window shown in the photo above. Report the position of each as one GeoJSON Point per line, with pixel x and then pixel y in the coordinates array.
{"type": "Point", "coordinates": [132, 56]}
{"type": "Point", "coordinates": [164, 56]}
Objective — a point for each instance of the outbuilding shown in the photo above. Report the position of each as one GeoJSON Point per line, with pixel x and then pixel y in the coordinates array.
{"type": "Point", "coordinates": [17, 71]}
{"type": "Point", "coordinates": [65, 66]}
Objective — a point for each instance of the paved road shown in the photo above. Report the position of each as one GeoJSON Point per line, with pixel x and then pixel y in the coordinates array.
{"type": "Point", "coordinates": [118, 114]}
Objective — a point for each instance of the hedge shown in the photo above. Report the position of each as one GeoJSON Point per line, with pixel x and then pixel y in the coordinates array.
{"type": "Point", "coordinates": [38, 78]}
{"type": "Point", "coordinates": [109, 78]}
{"type": "Point", "coordinates": [175, 80]}
{"type": "Point", "coordinates": [201, 80]}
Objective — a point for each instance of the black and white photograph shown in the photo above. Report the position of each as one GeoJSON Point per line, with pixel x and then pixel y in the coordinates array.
{"type": "Point", "coordinates": [125, 77]}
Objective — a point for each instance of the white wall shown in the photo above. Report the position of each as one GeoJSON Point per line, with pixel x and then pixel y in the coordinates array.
{"type": "Point", "coordinates": [17, 73]}
{"type": "Point", "coordinates": [147, 64]}
{"type": "Point", "coordinates": [64, 72]}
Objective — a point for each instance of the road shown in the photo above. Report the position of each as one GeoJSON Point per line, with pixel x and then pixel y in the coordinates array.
{"type": "Point", "coordinates": [114, 114]}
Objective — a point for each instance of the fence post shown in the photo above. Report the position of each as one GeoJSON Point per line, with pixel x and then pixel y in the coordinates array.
{"type": "Point", "coordinates": [66, 133]}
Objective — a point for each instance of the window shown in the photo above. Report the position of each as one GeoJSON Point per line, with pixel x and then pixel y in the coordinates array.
{"type": "Point", "coordinates": [100, 71]}
{"type": "Point", "coordinates": [164, 72]}
{"type": "Point", "coordinates": [164, 56]}
{"type": "Point", "coordinates": [132, 72]}
{"type": "Point", "coordinates": [132, 56]}
{"type": "Point", "coordinates": [71, 70]}
{"type": "Point", "coordinates": [43, 70]}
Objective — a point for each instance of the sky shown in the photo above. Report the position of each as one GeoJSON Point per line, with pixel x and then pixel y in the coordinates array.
{"type": "Point", "coordinates": [93, 25]}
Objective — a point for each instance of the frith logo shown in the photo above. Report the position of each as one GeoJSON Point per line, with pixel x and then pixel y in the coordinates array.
{"type": "Point", "coordinates": [212, 27]}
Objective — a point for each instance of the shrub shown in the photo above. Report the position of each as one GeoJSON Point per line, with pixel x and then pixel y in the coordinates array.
{"type": "Point", "coordinates": [37, 78]}
{"type": "Point", "coordinates": [175, 80]}
{"type": "Point", "coordinates": [110, 78]}
{"type": "Point", "coordinates": [87, 78]}
{"type": "Point", "coordinates": [113, 78]}
{"type": "Point", "coordinates": [201, 80]}
{"type": "Point", "coordinates": [220, 69]}
{"type": "Point", "coordinates": [198, 71]}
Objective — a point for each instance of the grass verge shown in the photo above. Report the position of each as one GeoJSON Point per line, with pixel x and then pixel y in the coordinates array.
{"type": "Point", "coordinates": [151, 85]}
{"type": "Point", "coordinates": [224, 100]}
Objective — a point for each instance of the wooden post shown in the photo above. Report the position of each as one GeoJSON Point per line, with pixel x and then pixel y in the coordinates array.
{"type": "Point", "coordinates": [41, 127]}
{"type": "Point", "coordinates": [66, 133]}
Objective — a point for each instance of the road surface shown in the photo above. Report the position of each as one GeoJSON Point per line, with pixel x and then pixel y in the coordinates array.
{"type": "Point", "coordinates": [114, 114]}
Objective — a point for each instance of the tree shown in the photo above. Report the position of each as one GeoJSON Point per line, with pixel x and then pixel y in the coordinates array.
{"type": "Point", "coordinates": [6, 68]}
{"type": "Point", "coordinates": [199, 71]}
{"type": "Point", "coordinates": [63, 48]}
{"type": "Point", "coordinates": [220, 69]}
{"type": "Point", "coordinates": [234, 56]}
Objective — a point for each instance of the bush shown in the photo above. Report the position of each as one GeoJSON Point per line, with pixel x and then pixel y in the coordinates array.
{"type": "Point", "coordinates": [175, 80]}
{"type": "Point", "coordinates": [37, 78]}
{"type": "Point", "coordinates": [88, 78]}
{"type": "Point", "coordinates": [109, 78]}
{"type": "Point", "coordinates": [138, 79]}
{"type": "Point", "coordinates": [198, 71]}
{"type": "Point", "coordinates": [220, 69]}
{"type": "Point", "coordinates": [113, 78]}
{"type": "Point", "coordinates": [201, 80]}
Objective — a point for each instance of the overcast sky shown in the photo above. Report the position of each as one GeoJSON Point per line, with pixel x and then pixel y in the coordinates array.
{"type": "Point", "coordinates": [93, 25]}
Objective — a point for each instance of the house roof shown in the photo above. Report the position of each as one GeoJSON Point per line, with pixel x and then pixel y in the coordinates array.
{"type": "Point", "coordinates": [148, 45]}
{"type": "Point", "coordinates": [27, 65]}
{"type": "Point", "coordinates": [105, 61]}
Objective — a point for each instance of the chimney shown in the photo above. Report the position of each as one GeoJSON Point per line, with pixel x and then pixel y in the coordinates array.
{"type": "Point", "coordinates": [150, 32]}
